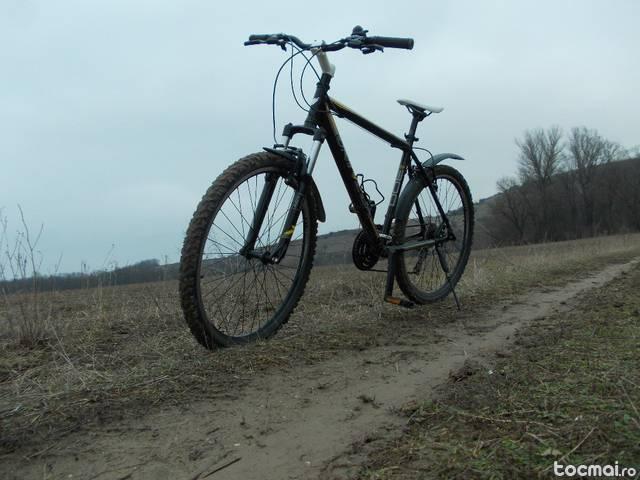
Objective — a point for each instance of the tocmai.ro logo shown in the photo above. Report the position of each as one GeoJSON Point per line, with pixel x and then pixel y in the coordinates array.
{"type": "Point", "coordinates": [614, 470]}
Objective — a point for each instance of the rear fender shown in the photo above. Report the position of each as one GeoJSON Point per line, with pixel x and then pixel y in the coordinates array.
{"type": "Point", "coordinates": [436, 159]}
{"type": "Point", "coordinates": [416, 181]}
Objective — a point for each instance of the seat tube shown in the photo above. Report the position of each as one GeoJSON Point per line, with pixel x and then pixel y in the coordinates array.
{"type": "Point", "coordinates": [402, 168]}
{"type": "Point", "coordinates": [393, 201]}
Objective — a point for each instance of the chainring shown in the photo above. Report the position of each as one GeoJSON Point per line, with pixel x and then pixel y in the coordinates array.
{"type": "Point", "coordinates": [364, 255]}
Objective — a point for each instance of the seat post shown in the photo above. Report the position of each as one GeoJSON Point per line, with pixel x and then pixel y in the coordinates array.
{"type": "Point", "coordinates": [417, 118]}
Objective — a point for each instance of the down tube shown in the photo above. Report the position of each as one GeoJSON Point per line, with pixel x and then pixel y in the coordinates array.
{"type": "Point", "coordinates": [341, 158]}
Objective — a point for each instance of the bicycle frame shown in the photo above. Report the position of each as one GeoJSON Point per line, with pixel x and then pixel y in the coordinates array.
{"type": "Point", "coordinates": [321, 115]}
{"type": "Point", "coordinates": [325, 121]}
{"type": "Point", "coordinates": [321, 125]}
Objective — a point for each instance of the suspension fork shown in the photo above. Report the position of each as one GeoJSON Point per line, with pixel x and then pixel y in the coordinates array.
{"type": "Point", "coordinates": [302, 177]}
{"type": "Point", "coordinates": [271, 179]}
{"type": "Point", "coordinates": [296, 204]}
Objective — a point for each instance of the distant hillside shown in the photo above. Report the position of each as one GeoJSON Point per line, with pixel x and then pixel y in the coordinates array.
{"type": "Point", "coordinates": [489, 228]}
{"type": "Point", "coordinates": [616, 204]}
{"type": "Point", "coordinates": [600, 199]}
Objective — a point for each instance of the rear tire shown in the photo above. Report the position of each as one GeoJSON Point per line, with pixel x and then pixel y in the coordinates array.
{"type": "Point", "coordinates": [418, 272]}
{"type": "Point", "coordinates": [226, 298]}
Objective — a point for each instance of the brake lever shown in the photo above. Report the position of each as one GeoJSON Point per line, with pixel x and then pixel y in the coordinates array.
{"type": "Point", "coordinates": [253, 42]}
{"type": "Point", "coordinates": [371, 48]}
{"type": "Point", "coordinates": [358, 41]}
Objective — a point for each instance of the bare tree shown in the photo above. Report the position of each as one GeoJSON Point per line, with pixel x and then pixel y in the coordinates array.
{"type": "Point", "coordinates": [630, 197]}
{"type": "Point", "coordinates": [567, 181]}
{"type": "Point", "coordinates": [588, 150]}
{"type": "Point", "coordinates": [512, 205]}
{"type": "Point", "coordinates": [590, 189]}
{"type": "Point", "coordinates": [541, 154]}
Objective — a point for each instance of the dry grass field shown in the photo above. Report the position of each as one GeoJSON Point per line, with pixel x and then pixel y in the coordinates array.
{"type": "Point", "coordinates": [567, 391]}
{"type": "Point", "coordinates": [122, 352]}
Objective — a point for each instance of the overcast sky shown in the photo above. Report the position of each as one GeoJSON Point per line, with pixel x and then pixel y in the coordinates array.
{"type": "Point", "coordinates": [116, 115]}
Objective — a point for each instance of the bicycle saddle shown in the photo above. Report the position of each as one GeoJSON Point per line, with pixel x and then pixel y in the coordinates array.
{"type": "Point", "coordinates": [419, 106]}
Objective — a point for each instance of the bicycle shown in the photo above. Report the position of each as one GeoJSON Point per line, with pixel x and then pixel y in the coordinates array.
{"type": "Point", "coordinates": [242, 270]}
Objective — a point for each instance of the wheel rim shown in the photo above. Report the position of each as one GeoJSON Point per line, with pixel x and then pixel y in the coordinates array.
{"type": "Point", "coordinates": [423, 266]}
{"type": "Point", "coordinates": [240, 297]}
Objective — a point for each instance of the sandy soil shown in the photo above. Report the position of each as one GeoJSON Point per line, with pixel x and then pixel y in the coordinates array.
{"type": "Point", "coordinates": [309, 422]}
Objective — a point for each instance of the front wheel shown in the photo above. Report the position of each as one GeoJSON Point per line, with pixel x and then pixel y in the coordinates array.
{"type": "Point", "coordinates": [231, 298]}
{"type": "Point", "coordinates": [420, 273]}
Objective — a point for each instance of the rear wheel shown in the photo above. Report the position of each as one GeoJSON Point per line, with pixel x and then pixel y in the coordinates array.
{"type": "Point", "coordinates": [420, 273]}
{"type": "Point", "coordinates": [226, 297]}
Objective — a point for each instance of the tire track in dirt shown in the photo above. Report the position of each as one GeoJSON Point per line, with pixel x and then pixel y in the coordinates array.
{"type": "Point", "coordinates": [301, 423]}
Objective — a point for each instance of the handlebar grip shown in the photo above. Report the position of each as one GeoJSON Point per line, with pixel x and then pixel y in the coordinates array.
{"type": "Point", "coordinates": [259, 37]}
{"type": "Point", "coordinates": [391, 42]}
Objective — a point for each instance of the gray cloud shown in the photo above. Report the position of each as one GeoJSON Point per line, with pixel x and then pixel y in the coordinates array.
{"type": "Point", "coordinates": [115, 116]}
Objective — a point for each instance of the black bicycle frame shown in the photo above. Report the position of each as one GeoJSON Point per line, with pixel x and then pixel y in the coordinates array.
{"type": "Point", "coordinates": [320, 115]}
{"type": "Point", "coordinates": [321, 125]}
{"type": "Point", "coordinates": [341, 158]}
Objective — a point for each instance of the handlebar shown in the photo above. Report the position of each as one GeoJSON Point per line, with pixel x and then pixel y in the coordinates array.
{"type": "Point", "coordinates": [358, 39]}
{"type": "Point", "coordinates": [391, 42]}
{"type": "Point", "coordinates": [277, 39]}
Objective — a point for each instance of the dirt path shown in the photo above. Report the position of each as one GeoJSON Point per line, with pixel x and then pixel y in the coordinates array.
{"type": "Point", "coordinates": [301, 423]}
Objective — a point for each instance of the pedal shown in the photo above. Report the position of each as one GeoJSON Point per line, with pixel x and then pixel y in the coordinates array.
{"type": "Point", "coordinates": [401, 302]}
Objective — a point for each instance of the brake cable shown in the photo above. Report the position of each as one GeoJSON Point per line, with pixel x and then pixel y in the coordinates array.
{"type": "Point", "coordinates": [299, 51]}
{"type": "Point", "coordinates": [273, 95]}
{"type": "Point", "coordinates": [303, 72]}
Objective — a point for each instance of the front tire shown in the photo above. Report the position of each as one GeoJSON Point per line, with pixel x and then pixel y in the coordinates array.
{"type": "Point", "coordinates": [228, 299]}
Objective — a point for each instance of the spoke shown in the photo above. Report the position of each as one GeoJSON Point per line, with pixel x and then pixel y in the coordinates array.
{"type": "Point", "coordinates": [266, 295]}
{"type": "Point", "coordinates": [279, 218]}
{"type": "Point", "coordinates": [257, 276]}
{"type": "Point", "coordinates": [278, 282]}
{"type": "Point", "coordinates": [233, 239]}
{"type": "Point", "coordinates": [282, 273]}
{"type": "Point", "coordinates": [239, 210]}
{"type": "Point", "coordinates": [230, 222]}
{"type": "Point", "coordinates": [279, 274]}
{"type": "Point", "coordinates": [220, 253]}
{"type": "Point", "coordinates": [241, 215]}
{"type": "Point", "coordinates": [225, 292]}
{"type": "Point", "coordinates": [241, 319]}
{"type": "Point", "coordinates": [218, 244]}
{"type": "Point", "coordinates": [283, 215]}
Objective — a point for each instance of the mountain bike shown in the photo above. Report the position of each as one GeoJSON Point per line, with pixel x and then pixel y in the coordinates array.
{"type": "Point", "coordinates": [250, 245]}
